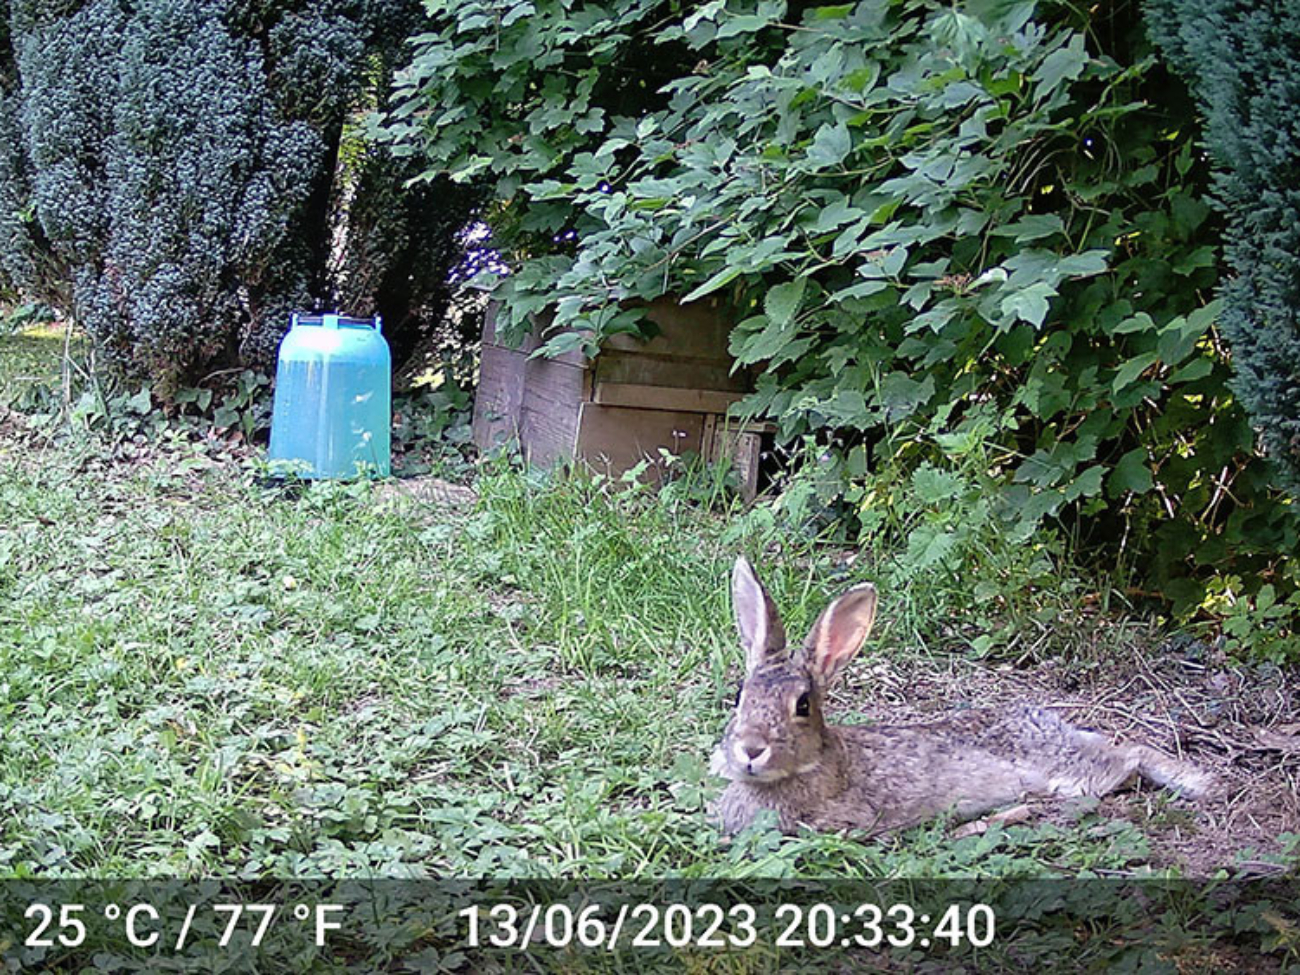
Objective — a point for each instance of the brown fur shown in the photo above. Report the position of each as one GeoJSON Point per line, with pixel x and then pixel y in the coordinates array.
{"type": "Point", "coordinates": [887, 778]}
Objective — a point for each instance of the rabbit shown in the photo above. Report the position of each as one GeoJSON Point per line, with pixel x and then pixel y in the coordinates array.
{"type": "Point", "coordinates": [780, 754]}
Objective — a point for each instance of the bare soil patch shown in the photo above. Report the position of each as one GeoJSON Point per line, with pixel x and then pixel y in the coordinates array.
{"type": "Point", "coordinates": [432, 492]}
{"type": "Point", "coordinates": [1241, 722]}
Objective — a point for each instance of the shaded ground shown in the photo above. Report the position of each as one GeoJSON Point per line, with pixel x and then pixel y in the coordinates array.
{"type": "Point", "coordinates": [1240, 722]}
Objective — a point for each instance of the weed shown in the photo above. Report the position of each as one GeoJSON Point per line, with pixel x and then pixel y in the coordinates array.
{"type": "Point", "coordinates": [1262, 626]}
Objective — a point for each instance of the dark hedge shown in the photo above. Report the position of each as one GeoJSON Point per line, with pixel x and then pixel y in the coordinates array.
{"type": "Point", "coordinates": [1243, 63]}
{"type": "Point", "coordinates": [178, 175]}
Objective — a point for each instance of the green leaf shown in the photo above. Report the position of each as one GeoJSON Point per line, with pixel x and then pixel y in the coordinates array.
{"type": "Point", "coordinates": [1130, 474]}
{"type": "Point", "coordinates": [900, 394]}
{"type": "Point", "coordinates": [723, 277]}
{"type": "Point", "coordinates": [224, 417]}
{"type": "Point", "coordinates": [834, 215]}
{"type": "Point", "coordinates": [893, 263]}
{"type": "Point", "coordinates": [1063, 64]}
{"type": "Point", "coordinates": [933, 485]}
{"type": "Point", "coordinates": [884, 212]}
{"type": "Point", "coordinates": [828, 66]}
{"type": "Point", "coordinates": [1201, 257]}
{"type": "Point", "coordinates": [708, 11]}
{"type": "Point", "coordinates": [1029, 304]}
{"type": "Point", "coordinates": [141, 402]}
{"type": "Point", "coordinates": [734, 24]}
{"type": "Point", "coordinates": [470, 168]}
{"type": "Point", "coordinates": [564, 342]}
{"type": "Point", "coordinates": [1128, 373]}
{"type": "Point", "coordinates": [517, 12]}
{"type": "Point", "coordinates": [863, 79]}
{"type": "Point", "coordinates": [1141, 322]}
{"type": "Point", "coordinates": [863, 289]}
{"type": "Point", "coordinates": [830, 146]}
{"type": "Point", "coordinates": [847, 407]}
{"type": "Point", "coordinates": [927, 546]}
{"type": "Point", "coordinates": [1084, 265]}
{"type": "Point", "coordinates": [1086, 484]}
{"type": "Point", "coordinates": [758, 339]}
{"type": "Point", "coordinates": [1033, 227]}
{"type": "Point", "coordinates": [1194, 370]}
{"type": "Point", "coordinates": [782, 302]}
{"type": "Point", "coordinates": [1179, 337]}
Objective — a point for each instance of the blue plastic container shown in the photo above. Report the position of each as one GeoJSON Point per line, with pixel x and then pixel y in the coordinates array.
{"type": "Point", "coordinates": [332, 414]}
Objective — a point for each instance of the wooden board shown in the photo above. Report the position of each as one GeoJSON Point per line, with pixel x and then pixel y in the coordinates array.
{"type": "Point", "coordinates": [633, 399]}
{"type": "Point", "coordinates": [694, 331]}
{"type": "Point", "coordinates": [613, 439]}
{"type": "Point", "coordinates": [553, 392]}
{"type": "Point", "coordinates": [534, 401]}
{"type": "Point", "coordinates": [737, 444]}
{"type": "Point", "coordinates": [679, 372]}
{"type": "Point", "coordinates": [498, 404]}
{"type": "Point", "coordinates": [644, 397]}
{"type": "Point", "coordinates": [690, 351]}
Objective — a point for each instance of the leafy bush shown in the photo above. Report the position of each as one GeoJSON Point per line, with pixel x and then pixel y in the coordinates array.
{"type": "Point", "coordinates": [169, 175]}
{"type": "Point", "coordinates": [432, 431]}
{"type": "Point", "coordinates": [942, 229]}
{"type": "Point", "coordinates": [1242, 62]}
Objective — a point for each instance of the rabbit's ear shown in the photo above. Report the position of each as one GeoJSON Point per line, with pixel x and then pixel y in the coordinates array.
{"type": "Point", "coordinates": [840, 632]}
{"type": "Point", "coordinates": [761, 632]}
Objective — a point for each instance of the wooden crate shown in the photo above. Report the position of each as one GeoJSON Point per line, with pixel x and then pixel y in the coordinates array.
{"type": "Point", "coordinates": [627, 404]}
{"type": "Point", "coordinates": [534, 402]}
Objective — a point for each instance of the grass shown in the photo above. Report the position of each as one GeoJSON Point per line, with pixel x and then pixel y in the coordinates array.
{"type": "Point", "coordinates": [204, 676]}
{"type": "Point", "coordinates": [241, 683]}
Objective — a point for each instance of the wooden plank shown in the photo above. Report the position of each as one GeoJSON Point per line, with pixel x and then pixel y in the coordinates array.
{"type": "Point", "coordinates": [640, 396]}
{"type": "Point", "coordinates": [499, 400]}
{"type": "Point", "coordinates": [695, 331]}
{"type": "Point", "coordinates": [613, 439]}
{"type": "Point", "coordinates": [552, 393]}
{"type": "Point", "coordinates": [738, 445]}
{"type": "Point", "coordinates": [649, 369]}
{"type": "Point", "coordinates": [690, 351]}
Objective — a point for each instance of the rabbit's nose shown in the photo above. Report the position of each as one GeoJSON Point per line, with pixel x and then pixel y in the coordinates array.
{"type": "Point", "coordinates": [752, 749]}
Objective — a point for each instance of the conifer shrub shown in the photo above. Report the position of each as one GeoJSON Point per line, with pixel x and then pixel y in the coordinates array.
{"type": "Point", "coordinates": [1243, 63]}
{"type": "Point", "coordinates": [170, 175]}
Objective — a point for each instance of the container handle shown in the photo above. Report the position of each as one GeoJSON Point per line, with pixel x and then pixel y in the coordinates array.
{"type": "Point", "coordinates": [336, 321]}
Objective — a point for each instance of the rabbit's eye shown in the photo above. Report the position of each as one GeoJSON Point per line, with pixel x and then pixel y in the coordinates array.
{"type": "Point", "coordinates": [801, 706]}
